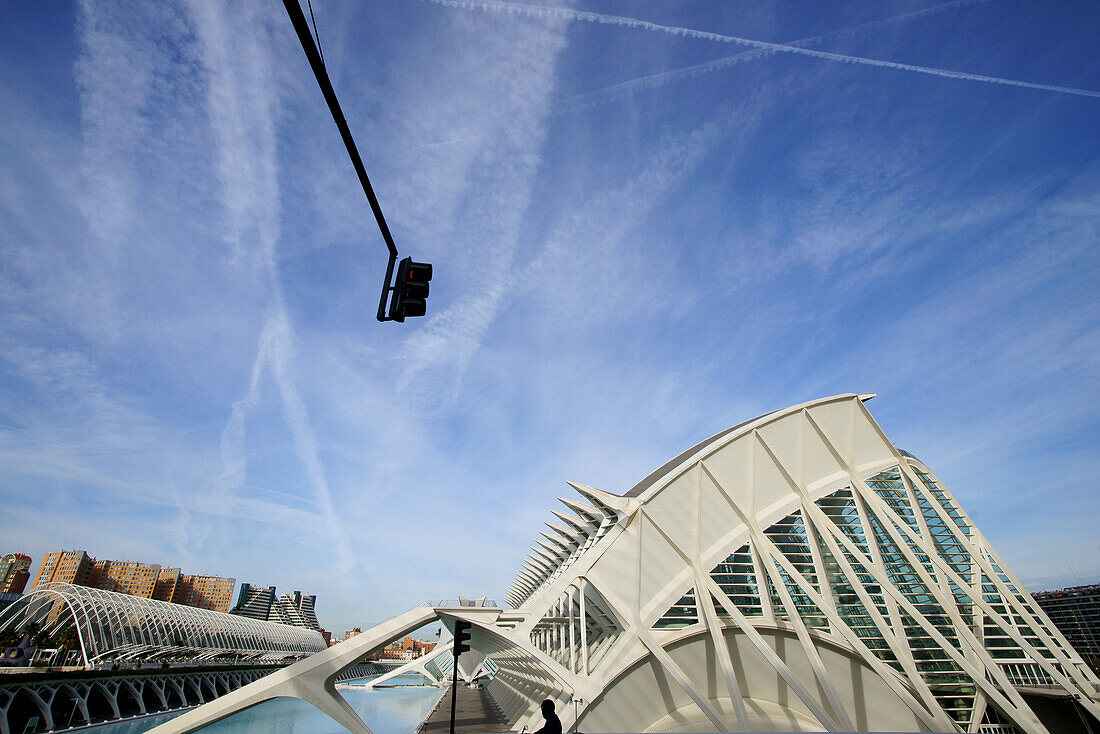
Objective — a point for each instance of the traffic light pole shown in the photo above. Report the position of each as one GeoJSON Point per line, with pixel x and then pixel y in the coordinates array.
{"type": "Point", "coordinates": [454, 693]}
{"type": "Point", "coordinates": [294, 10]}
{"type": "Point", "coordinates": [461, 645]}
{"type": "Point", "coordinates": [386, 288]}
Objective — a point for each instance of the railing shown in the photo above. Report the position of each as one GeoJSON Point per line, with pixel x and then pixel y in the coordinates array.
{"type": "Point", "coordinates": [1027, 673]}
{"type": "Point", "coordinates": [462, 602]}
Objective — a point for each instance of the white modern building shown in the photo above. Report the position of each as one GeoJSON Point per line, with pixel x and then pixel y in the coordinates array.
{"type": "Point", "coordinates": [114, 628]}
{"type": "Point", "coordinates": [794, 573]}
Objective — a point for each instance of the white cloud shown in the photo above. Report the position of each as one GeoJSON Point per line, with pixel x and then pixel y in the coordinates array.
{"type": "Point", "coordinates": [189, 365]}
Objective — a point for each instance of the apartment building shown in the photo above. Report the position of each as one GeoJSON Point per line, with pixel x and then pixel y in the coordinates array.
{"type": "Point", "coordinates": [137, 579]}
{"type": "Point", "coordinates": [14, 573]}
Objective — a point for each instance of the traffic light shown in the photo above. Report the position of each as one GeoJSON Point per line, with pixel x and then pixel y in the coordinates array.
{"type": "Point", "coordinates": [462, 637]}
{"type": "Point", "coordinates": [410, 290]}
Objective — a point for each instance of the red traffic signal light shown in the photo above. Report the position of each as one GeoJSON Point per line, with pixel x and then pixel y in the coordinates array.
{"type": "Point", "coordinates": [462, 637]}
{"type": "Point", "coordinates": [410, 291]}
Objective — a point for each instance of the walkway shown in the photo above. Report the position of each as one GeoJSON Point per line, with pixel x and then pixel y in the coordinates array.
{"type": "Point", "coordinates": [475, 712]}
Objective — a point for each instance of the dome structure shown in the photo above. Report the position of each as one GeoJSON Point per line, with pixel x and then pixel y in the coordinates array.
{"type": "Point", "coordinates": [118, 628]}
{"type": "Point", "coordinates": [796, 572]}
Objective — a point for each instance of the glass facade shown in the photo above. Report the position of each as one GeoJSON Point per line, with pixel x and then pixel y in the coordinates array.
{"type": "Point", "coordinates": [916, 515]}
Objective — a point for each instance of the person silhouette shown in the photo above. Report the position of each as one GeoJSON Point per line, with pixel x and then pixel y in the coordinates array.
{"type": "Point", "coordinates": [553, 723]}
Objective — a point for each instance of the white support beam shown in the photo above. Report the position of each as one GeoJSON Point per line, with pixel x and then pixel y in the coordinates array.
{"type": "Point", "coordinates": [311, 680]}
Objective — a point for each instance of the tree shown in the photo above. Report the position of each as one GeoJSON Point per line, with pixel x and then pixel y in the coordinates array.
{"type": "Point", "coordinates": [9, 638]}
{"type": "Point", "coordinates": [33, 630]}
{"type": "Point", "coordinates": [68, 639]}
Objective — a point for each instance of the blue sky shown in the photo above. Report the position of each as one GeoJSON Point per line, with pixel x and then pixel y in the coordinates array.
{"type": "Point", "coordinates": [641, 236]}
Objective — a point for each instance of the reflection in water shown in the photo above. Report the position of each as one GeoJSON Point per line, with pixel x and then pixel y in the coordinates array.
{"type": "Point", "coordinates": [385, 711]}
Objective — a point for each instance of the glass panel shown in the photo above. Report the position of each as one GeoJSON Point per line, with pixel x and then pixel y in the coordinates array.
{"type": "Point", "coordinates": [737, 578]}
{"type": "Point", "coordinates": [681, 614]}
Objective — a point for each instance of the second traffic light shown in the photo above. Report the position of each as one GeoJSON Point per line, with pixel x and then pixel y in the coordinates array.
{"type": "Point", "coordinates": [462, 637]}
{"type": "Point", "coordinates": [410, 291]}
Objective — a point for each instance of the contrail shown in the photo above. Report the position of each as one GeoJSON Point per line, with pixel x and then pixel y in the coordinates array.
{"type": "Point", "coordinates": [243, 106]}
{"type": "Point", "coordinates": [444, 142]}
{"type": "Point", "coordinates": [765, 46]}
{"type": "Point", "coordinates": [654, 80]}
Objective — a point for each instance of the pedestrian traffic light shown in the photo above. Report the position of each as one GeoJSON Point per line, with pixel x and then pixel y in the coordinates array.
{"type": "Point", "coordinates": [410, 290]}
{"type": "Point", "coordinates": [462, 636]}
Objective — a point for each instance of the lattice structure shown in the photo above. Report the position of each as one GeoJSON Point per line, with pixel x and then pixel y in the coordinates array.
{"type": "Point", "coordinates": [113, 627]}
{"type": "Point", "coordinates": [794, 573]}
{"type": "Point", "coordinates": [805, 526]}
{"type": "Point", "coordinates": [73, 701]}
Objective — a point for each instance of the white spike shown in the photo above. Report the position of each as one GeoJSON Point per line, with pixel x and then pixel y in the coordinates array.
{"type": "Point", "coordinates": [581, 526]}
{"type": "Point", "coordinates": [555, 545]}
{"type": "Point", "coordinates": [616, 505]}
{"type": "Point", "coordinates": [569, 534]}
{"type": "Point", "coordinates": [567, 542]}
{"type": "Point", "coordinates": [590, 513]}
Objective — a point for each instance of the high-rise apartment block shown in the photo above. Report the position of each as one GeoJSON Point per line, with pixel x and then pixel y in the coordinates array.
{"type": "Point", "coordinates": [125, 577]}
{"type": "Point", "coordinates": [254, 602]}
{"type": "Point", "coordinates": [205, 592]}
{"type": "Point", "coordinates": [168, 582]}
{"type": "Point", "coordinates": [69, 567]}
{"type": "Point", "coordinates": [1076, 613]}
{"type": "Point", "coordinates": [259, 602]}
{"type": "Point", "coordinates": [137, 579]}
{"type": "Point", "coordinates": [296, 609]}
{"type": "Point", "coordinates": [14, 573]}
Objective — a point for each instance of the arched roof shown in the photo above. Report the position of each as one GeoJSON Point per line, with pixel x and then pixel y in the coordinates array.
{"type": "Point", "coordinates": [114, 627]}
{"type": "Point", "coordinates": [549, 559]}
{"type": "Point", "coordinates": [683, 456]}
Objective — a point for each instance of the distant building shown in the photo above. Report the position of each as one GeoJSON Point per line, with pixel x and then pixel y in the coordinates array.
{"type": "Point", "coordinates": [125, 577]}
{"type": "Point", "coordinates": [352, 633]}
{"type": "Point", "coordinates": [205, 592]}
{"type": "Point", "coordinates": [1076, 613]}
{"type": "Point", "coordinates": [136, 579]}
{"type": "Point", "coordinates": [296, 609]}
{"type": "Point", "coordinates": [14, 573]}
{"type": "Point", "coordinates": [77, 567]}
{"type": "Point", "coordinates": [259, 602]}
{"type": "Point", "coordinates": [7, 599]}
{"type": "Point", "coordinates": [254, 602]}
{"type": "Point", "coordinates": [168, 581]}
{"type": "Point", "coordinates": [413, 648]}
{"type": "Point", "coordinates": [69, 567]}
{"type": "Point", "coordinates": [407, 649]}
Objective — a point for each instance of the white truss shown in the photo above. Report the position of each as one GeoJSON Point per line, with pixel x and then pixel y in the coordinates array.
{"type": "Point", "coordinates": [435, 667]}
{"type": "Point", "coordinates": [796, 572]}
{"type": "Point", "coordinates": [113, 627]}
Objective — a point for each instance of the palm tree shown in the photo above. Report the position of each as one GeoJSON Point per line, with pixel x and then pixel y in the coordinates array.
{"type": "Point", "coordinates": [68, 639]}
{"type": "Point", "coordinates": [33, 630]}
{"type": "Point", "coordinates": [9, 638]}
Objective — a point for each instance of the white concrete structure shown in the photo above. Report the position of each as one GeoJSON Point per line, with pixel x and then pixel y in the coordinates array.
{"type": "Point", "coordinates": [69, 701]}
{"type": "Point", "coordinates": [116, 628]}
{"type": "Point", "coordinates": [794, 573]}
{"type": "Point", "coordinates": [435, 668]}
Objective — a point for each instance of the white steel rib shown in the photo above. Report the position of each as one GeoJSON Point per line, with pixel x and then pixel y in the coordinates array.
{"type": "Point", "coordinates": [796, 572]}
